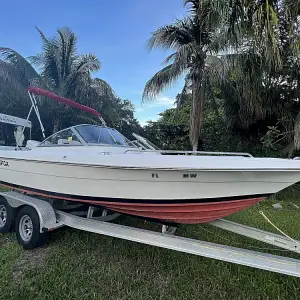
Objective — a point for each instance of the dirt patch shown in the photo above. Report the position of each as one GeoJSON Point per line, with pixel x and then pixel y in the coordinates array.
{"type": "Point", "coordinates": [29, 260]}
{"type": "Point", "coordinates": [6, 238]}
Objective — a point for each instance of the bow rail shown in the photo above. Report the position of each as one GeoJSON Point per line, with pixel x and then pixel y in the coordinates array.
{"type": "Point", "coordinates": [195, 152]}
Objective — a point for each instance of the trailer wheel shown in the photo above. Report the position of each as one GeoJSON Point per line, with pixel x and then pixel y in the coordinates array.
{"type": "Point", "coordinates": [28, 229]}
{"type": "Point", "coordinates": [7, 216]}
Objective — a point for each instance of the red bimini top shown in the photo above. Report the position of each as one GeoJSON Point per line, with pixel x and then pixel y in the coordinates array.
{"type": "Point", "coordinates": [41, 92]}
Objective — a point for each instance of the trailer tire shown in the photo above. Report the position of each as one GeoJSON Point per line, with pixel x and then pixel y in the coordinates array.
{"type": "Point", "coordinates": [7, 216]}
{"type": "Point", "coordinates": [28, 229]}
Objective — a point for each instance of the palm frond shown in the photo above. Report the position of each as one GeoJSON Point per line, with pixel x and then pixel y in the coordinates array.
{"type": "Point", "coordinates": [71, 52]}
{"type": "Point", "coordinates": [186, 90]}
{"type": "Point", "coordinates": [87, 63]}
{"type": "Point", "coordinates": [60, 45]}
{"type": "Point", "coordinates": [79, 76]}
{"type": "Point", "coordinates": [218, 69]}
{"type": "Point", "coordinates": [212, 15]}
{"type": "Point", "coordinates": [172, 36]}
{"type": "Point", "coordinates": [210, 96]}
{"type": "Point", "coordinates": [170, 59]}
{"type": "Point", "coordinates": [45, 40]}
{"type": "Point", "coordinates": [187, 54]}
{"type": "Point", "coordinates": [222, 42]}
{"type": "Point", "coordinates": [162, 80]}
{"type": "Point", "coordinates": [65, 44]}
{"type": "Point", "coordinates": [51, 62]}
{"type": "Point", "coordinates": [180, 97]}
{"type": "Point", "coordinates": [37, 60]}
{"type": "Point", "coordinates": [103, 88]}
{"type": "Point", "coordinates": [19, 63]}
{"type": "Point", "coordinates": [11, 80]}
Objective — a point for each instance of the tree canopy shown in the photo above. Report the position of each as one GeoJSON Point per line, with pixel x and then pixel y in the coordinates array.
{"type": "Point", "coordinates": [244, 53]}
{"type": "Point", "coordinates": [61, 69]}
{"type": "Point", "coordinates": [240, 62]}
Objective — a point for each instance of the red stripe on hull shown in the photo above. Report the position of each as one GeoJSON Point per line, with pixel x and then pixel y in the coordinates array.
{"type": "Point", "coordinates": [182, 213]}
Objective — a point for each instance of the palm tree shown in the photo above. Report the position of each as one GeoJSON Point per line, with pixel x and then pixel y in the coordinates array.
{"type": "Point", "coordinates": [60, 69]}
{"type": "Point", "coordinates": [250, 33]}
{"type": "Point", "coordinates": [193, 40]}
{"type": "Point", "coordinates": [14, 81]}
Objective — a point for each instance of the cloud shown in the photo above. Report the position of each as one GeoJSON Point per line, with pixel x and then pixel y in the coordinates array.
{"type": "Point", "coordinates": [143, 122]}
{"type": "Point", "coordinates": [150, 111]}
{"type": "Point", "coordinates": [165, 101]}
{"type": "Point", "coordinates": [162, 101]}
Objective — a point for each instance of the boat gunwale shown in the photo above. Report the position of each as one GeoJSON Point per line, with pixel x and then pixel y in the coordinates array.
{"type": "Point", "coordinates": [150, 167]}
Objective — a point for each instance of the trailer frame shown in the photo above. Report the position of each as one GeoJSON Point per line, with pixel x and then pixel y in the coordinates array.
{"type": "Point", "coordinates": [50, 218]}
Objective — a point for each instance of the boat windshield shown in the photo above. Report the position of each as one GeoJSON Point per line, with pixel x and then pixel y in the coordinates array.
{"type": "Point", "coordinates": [94, 134]}
{"type": "Point", "coordinates": [85, 134]}
{"type": "Point", "coordinates": [66, 137]}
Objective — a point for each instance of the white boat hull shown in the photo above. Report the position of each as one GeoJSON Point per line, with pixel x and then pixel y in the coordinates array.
{"type": "Point", "coordinates": [108, 183]}
{"type": "Point", "coordinates": [198, 195]}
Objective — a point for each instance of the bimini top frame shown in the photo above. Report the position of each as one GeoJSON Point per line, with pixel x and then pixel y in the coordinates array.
{"type": "Point", "coordinates": [34, 91]}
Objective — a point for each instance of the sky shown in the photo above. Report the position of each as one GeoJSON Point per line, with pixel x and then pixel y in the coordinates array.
{"type": "Point", "coordinates": [116, 31]}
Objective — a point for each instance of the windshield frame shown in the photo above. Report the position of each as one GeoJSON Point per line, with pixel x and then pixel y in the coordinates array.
{"type": "Point", "coordinates": [76, 132]}
{"type": "Point", "coordinates": [82, 142]}
{"type": "Point", "coordinates": [109, 132]}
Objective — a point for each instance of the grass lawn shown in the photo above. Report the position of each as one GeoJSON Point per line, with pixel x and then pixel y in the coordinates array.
{"type": "Point", "coordinates": [80, 265]}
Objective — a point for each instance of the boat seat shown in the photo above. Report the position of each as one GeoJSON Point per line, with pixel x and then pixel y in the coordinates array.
{"type": "Point", "coordinates": [62, 142]}
{"type": "Point", "coordinates": [31, 144]}
{"type": "Point", "coordinates": [66, 142]}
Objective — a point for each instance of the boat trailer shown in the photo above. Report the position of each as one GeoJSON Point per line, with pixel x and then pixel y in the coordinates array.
{"type": "Point", "coordinates": [33, 218]}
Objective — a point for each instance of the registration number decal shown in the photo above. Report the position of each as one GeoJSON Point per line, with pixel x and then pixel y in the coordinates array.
{"type": "Point", "coordinates": [4, 163]}
{"type": "Point", "coordinates": [189, 175]}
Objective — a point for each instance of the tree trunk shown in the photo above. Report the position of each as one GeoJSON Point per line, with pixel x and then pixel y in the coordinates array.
{"type": "Point", "coordinates": [297, 132]}
{"type": "Point", "coordinates": [197, 113]}
{"type": "Point", "coordinates": [55, 125]}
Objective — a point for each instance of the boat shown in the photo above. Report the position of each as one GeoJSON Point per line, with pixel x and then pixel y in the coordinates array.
{"type": "Point", "coordinates": [97, 165]}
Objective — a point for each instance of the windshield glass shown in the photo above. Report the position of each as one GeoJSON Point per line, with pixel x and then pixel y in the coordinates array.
{"type": "Point", "coordinates": [66, 137]}
{"type": "Point", "coordinates": [93, 134]}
